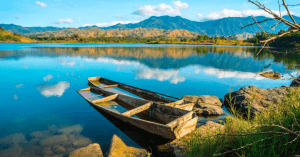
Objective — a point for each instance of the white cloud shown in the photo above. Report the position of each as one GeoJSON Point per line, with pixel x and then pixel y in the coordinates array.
{"type": "Point", "coordinates": [19, 85]}
{"type": "Point", "coordinates": [161, 75]}
{"type": "Point", "coordinates": [161, 9]}
{"type": "Point", "coordinates": [180, 5]}
{"type": "Point", "coordinates": [41, 4]}
{"type": "Point", "coordinates": [63, 21]}
{"type": "Point", "coordinates": [19, 17]}
{"type": "Point", "coordinates": [48, 77]}
{"type": "Point", "coordinates": [120, 17]}
{"type": "Point", "coordinates": [227, 74]}
{"type": "Point", "coordinates": [199, 15]}
{"type": "Point", "coordinates": [107, 24]}
{"type": "Point", "coordinates": [235, 13]}
{"type": "Point", "coordinates": [67, 63]}
{"type": "Point", "coordinates": [54, 90]}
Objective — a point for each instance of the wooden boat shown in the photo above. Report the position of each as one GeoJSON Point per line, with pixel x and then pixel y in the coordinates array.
{"type": "Point", "coordinates": [170, 120]}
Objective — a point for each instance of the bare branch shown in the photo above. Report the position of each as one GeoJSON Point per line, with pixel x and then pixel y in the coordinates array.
{"type": "Point", "coordinates": [279, 8]}
{"type": "Point", "coordinates": [257, 22]}
{"type": "Point", "coordinates": [276, 37]}
{"type": "Point", "coordinates": [276, 25]}
{"type": "Point", "coordinates": [286, 54]}
{"type": "Point", "coordinates": [287, 9]}
{"type": "Point", "coordinates": [261, 48]}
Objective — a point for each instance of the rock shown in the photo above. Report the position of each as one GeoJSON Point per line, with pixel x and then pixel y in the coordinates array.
{"type": "Point", "coordinates": [211, 127]}
{"type": "Point", "coordinates": [204, 99]}
{"type": "Point", "coordinates": [76, 129]}
{"type": "Point", "coordinates": [92, 150]}
{"type": "Point", "coordinates": [208, 110]}
{"type": "Point", "coordinates": [59, 149]}
{"type": "Point", "coordinates": [52, 128]}
{"type": "Point", "coordinates": [12, 152]}
{"type": "Point", "coordinates": [70, 149]}
{"type": "Point", "coordinates": [271, 74]}
{"type": "Point", "coordinates": [72, 138]}
{"type": "Point", "coordinates": [40, 134]}
{"type": "Point", "coordinates": [13, 139]}
{"type": "Point", "coordinates": [81, 142]}
{"type": "Point", "coordinates": [33, 151]}
{"type": "Point", "coordinates": [178, 148]}
{"type": "Point", "coordinates": [47, 151]}
{"type": "Point", "coordinates": [54, 140]}
{"type": "Point", "coordinates": [205, 105]}
{"type": "Point", "coordinates": [295, 82]}
{"type": "Point", "coordinates": [119, 149]}
{"type": "Point", "coordinates": [262, 99]}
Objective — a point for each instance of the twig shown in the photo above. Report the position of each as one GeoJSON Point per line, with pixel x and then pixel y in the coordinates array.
{"type": "Point", "coordinates": [276, 25]}
{"type": "Point", "coordinates": [279, 8]}
{"type": "Point", "coordinates": [287, 9]}
{"type": "Point", "coordinates": [257, 22]}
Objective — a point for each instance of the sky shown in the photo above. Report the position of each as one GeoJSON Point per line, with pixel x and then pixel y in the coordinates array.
{"type": "Point", "coordinates": [104, 13]}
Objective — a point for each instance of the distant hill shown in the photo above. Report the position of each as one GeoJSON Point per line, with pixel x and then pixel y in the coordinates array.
{"type": "Point", "coordinates": [221, 27]}
{"type": "Point", "coordinates": [118, 32]}
{"type": "Point", "coordinates": [9, 37]}
{"type": "Point", "coordinates": [23, 30]}
{"type": "Point", "coordinates": [226, 26]}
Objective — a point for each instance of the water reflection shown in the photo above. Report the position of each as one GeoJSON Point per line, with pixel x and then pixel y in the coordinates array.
{"type": "Point", "coordinates": [175, 71]}
{"type": "Point", "coordinates": [53, 90]}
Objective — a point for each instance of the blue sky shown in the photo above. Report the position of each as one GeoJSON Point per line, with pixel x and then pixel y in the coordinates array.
{"type": "Point", "coordinates": [76, 13]}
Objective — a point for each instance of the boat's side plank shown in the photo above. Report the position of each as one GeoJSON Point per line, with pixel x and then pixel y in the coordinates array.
{"type": "Point", "coordinates": [138, 109]}
{"type": "Point", "coordinates": [109, 98]}
{"type": "Point", "coordinates": [181, 119]}
{"type": "Point", "coordinates": [186, 127]}
{"type": "Point", "coordinates": [152, 127]}
{"type": "Point", "coordinates": [85, 90]}
{"type": "Point", "coordinates": [109, 86]}
{"type": "Point", "coordinates": [174, 104]}
{"type": "Point", "coordinates": [148, 95]}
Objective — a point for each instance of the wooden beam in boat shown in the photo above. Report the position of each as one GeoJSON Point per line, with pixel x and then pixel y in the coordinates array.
{"type": "Point", "coordinates": [109, 86]}
{"type": "Point", "coordinates": [109, 98]}
{"type": "Point", "coordinates": [148, 95]}
{"type": "Point", "coordinates": [85, 90]}
{"type": "Point", "coordinates": [138, 109]}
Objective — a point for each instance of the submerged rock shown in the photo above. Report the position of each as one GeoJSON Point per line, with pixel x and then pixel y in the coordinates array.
{"type": "Point", "coordinates": [76, 129]}
{"type": "Point", "coordinates": [12, 152]}
{"type": "Point", "coordinates": [261, 98]}
{"type": "Point", "coordinates": [47, 151]}
{"type": "Point", "coordinates": [13, 139]}
{"type": "Point", "coordinates": [92, 150]}
{"type": "Point", "coordinates": [205, 105]}
{"type": "Point", "coordinates": [271, 74]}
{"type": "Point", "coordinates": [295, 82]}
{"type": "Point", "coordinates": [59, 149]}
{"type": "Point", "coordinates": [81, 142]}
{"type": "Point", "coordinates": [40, 134]}
{"type": "Point", "coordinates": [119, 149]}
{"type": "Point", "coordinates": [54, 140]}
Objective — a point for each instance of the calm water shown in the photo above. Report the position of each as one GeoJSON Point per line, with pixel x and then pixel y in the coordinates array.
{"type": "Point", "coordinates": [39, 81]}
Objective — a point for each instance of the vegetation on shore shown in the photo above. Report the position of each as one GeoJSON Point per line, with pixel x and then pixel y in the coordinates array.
{"type": "Point", "coordinates": [272, 133]}
{"type": "Point", "coordinates": [6, 36]}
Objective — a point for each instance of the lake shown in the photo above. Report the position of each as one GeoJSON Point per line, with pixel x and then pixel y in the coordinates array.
{"type": "Point", "coordinates": [39, 83]}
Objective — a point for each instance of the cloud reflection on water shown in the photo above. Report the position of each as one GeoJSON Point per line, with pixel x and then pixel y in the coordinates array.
{"type": "Point", "coordinates": [54, 90]}
{"type": "Point", "coordinates": [161, 75]}
{"type": "Point", "coordinates": [48, 77]}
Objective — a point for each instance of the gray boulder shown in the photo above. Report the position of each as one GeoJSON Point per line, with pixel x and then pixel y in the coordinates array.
{"type": "Point", "coordinates": [205, 105]}
{"type": "Point", "coordinates": [295, 82]}
{"type": "Point", "coordinates": [261, 98]}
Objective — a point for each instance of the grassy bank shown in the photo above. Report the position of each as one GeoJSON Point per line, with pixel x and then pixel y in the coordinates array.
{"type": "Point", "coordinates": [272, 133]}
{"type": "Point", "coordinates": [206, 42]}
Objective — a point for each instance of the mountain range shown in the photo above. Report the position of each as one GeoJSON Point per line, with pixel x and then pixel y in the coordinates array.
{"type": "Point", "coordinates": [221, 27]}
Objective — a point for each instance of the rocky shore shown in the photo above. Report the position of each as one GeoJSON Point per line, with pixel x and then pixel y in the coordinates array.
{"type": "Point", "coordinates": [68, 141]}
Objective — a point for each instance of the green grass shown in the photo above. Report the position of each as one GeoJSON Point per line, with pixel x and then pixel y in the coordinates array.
{"type": "Point", "coordinates": [274, 132]}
